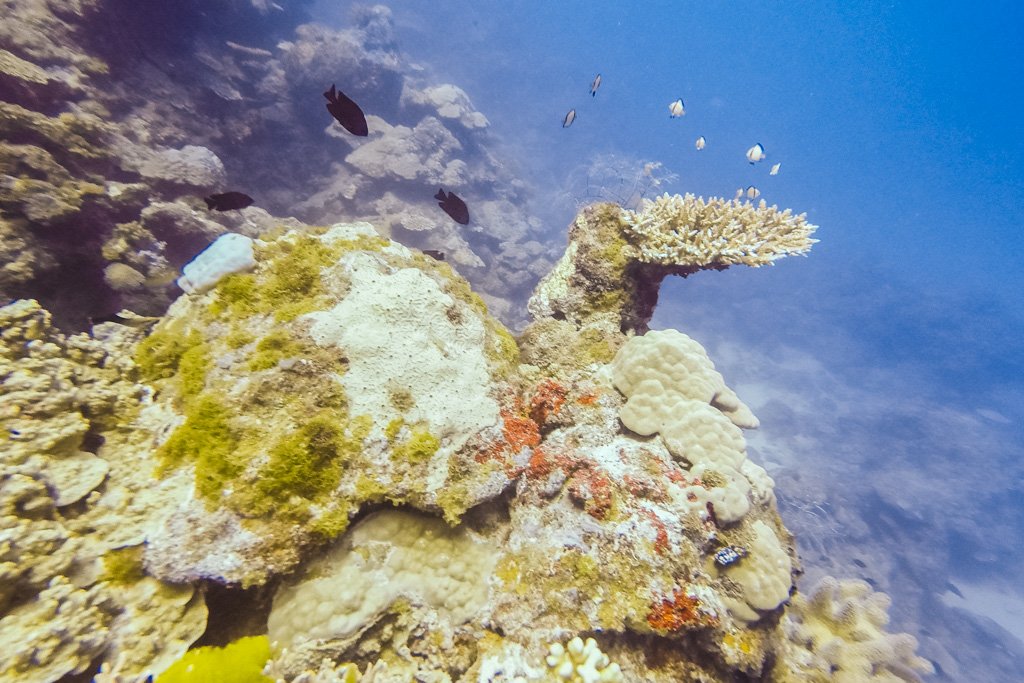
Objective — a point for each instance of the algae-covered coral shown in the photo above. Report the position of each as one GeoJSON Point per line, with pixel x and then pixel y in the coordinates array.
{"type": "Point", "coordinates": [279, 410]}
{"type": "Point", "coordinates": [332, 443]}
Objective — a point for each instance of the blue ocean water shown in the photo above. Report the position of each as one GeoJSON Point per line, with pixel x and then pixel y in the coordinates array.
{"type": "Point", "coordinates": [887, 367]}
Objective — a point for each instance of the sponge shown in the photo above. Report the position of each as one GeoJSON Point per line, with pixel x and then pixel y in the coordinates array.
{"type": "Point", "coordinates": [229, 253]}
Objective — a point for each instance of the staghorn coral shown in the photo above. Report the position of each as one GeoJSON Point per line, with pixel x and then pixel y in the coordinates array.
{"type": "Point", "coordinates": [693, 232]}
{"type": "Point", "coordinates": [616, 259]}
{"type": "Point", "coordinates": [837, 633]}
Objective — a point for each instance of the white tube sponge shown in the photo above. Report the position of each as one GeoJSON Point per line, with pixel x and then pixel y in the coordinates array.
{"type": "Point", "coordinates": [229, 253]}
{"type": "Point", "coordinates": [765, 574]}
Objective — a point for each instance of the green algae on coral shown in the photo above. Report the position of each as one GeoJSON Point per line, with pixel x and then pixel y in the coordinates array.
{"type": "Point", "coordinates": [290, 285]}
{"type": "Point", "coordinates": [193, 367]}
{"type": "Point", "coordinates": [309, 462]}
{"type": "Point", "coordinates": [159, 354]}
{"type": "Point", "coordinates": [206, 440]}
{"type": "Point", "coordinates": [272, 348]}
{"type": "Point", "coordinates": [123, 566]}
{"type": "Point", "coordinates": [420, 446]}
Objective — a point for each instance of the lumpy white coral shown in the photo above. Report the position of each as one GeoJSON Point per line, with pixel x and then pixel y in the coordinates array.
{"type": "Point", "coordinates": [837, 633]}
{"type": "Point", "coordinates": [581, 662]}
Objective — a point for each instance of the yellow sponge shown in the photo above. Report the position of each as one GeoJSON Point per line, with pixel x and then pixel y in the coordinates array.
{"type": "Point", "coordinates": [239, 662]}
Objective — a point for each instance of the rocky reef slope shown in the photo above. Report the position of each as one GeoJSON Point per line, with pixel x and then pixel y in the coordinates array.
{"type": "Point", "coordinates": [118, 117]}
{"type": "Point", "coordinates": [334, 442]}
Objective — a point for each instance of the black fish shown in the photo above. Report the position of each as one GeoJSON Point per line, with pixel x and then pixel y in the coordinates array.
{"type": "Point", "coordinates": [126, 318]}
{"type": "Point", "coordinates": [434, 253]}
{"type": "Point", "coordinates": [346, 112]}
{"type": "Point", "coordinates": [227, 201]}
{"type": "Point", "coordinates": [453, 206]}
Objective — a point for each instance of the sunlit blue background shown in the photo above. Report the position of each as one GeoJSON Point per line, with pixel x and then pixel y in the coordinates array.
{"type": "Point", "coordinates": [887, 367]}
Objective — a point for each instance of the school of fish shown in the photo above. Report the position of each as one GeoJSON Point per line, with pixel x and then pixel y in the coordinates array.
{"type": "Point", "coordinates": [350, 116]}
{"type": "Point", "coordinates": [677, 109]}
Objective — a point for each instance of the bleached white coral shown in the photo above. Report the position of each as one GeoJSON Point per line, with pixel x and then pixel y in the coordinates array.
{"type": "Point", "coordinates": [837, 633]}
{"type": "Point", "coordinates": [581, 662]}
{"type": "Point", "coordinates": [676, 230]}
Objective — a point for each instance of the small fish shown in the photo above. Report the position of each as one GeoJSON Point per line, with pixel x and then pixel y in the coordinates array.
{"type": "Point", "coordinates": [434, 253]}
{"type": "Point", "coordinates": [775, 169]}
{"type": "Point", "coordinates": [676, 109]}
{"type": "Point", "coordinates": [226, 201]}
{"type": "Point", "coordinates": [569, 118]}
{"type": "Point", "coordinates": [701, 142]}
{"type": "Point", "coordinates": [753, 192]}
{"type": "Point", "coordinates": [595, 85]}
{"type": "Point", "coordinates": [756, 153]}
{"type": "Point", "coordinates": [126, 318]}
{"type": "Point", "coordinates": [739, 193]}
{"type": "Point", "coordinates": [453, 206]}
{"type": "Point", "coordinates": [346, 112]}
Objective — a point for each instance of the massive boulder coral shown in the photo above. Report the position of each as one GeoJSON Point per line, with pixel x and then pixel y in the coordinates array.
{"type": "Point", "coordinates": [608, 532]}
{"type": "Point", "coordinates": [341, 371]}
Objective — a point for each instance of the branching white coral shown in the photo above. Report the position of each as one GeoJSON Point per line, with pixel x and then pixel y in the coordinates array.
{"type": "Point", "coordinates": [676, 230]}
{"type": "Point", "coordinates": [838, 634]}
{"type": "Point", "coordinates": [581, 662]}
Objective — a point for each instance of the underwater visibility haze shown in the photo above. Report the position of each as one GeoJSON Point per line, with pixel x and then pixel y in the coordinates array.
{"type": "Point", "coordinates": [438, 341]}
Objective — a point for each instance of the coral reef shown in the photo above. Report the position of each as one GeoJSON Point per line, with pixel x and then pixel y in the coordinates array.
{"type": "Point", "coordinates": [616, 258]}
{"type": "Point", "coordinates": [837, 633]}
{"type": "Point", "coordinates": [581, 485]}
{"type": "Point", "coordinates": [75, 504]}
{"type": "Point", "coordinates": [329, 452]}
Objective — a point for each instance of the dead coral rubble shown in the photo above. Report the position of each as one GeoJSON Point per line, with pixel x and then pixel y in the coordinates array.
{"type": "Point", "coordinates": [73, 497]}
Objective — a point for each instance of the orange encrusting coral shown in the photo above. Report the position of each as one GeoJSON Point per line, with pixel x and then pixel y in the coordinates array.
{"type": "Point", "coordinates": [660, 532]}
{"type": "Point", "coordinates": [592, 489]}
{"type": "Point", "coordinates": [678, 613]}
{"type": "Point", "coordinates": [547, 401]}
{"type": "Point", "coordinates": [517, 432]}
